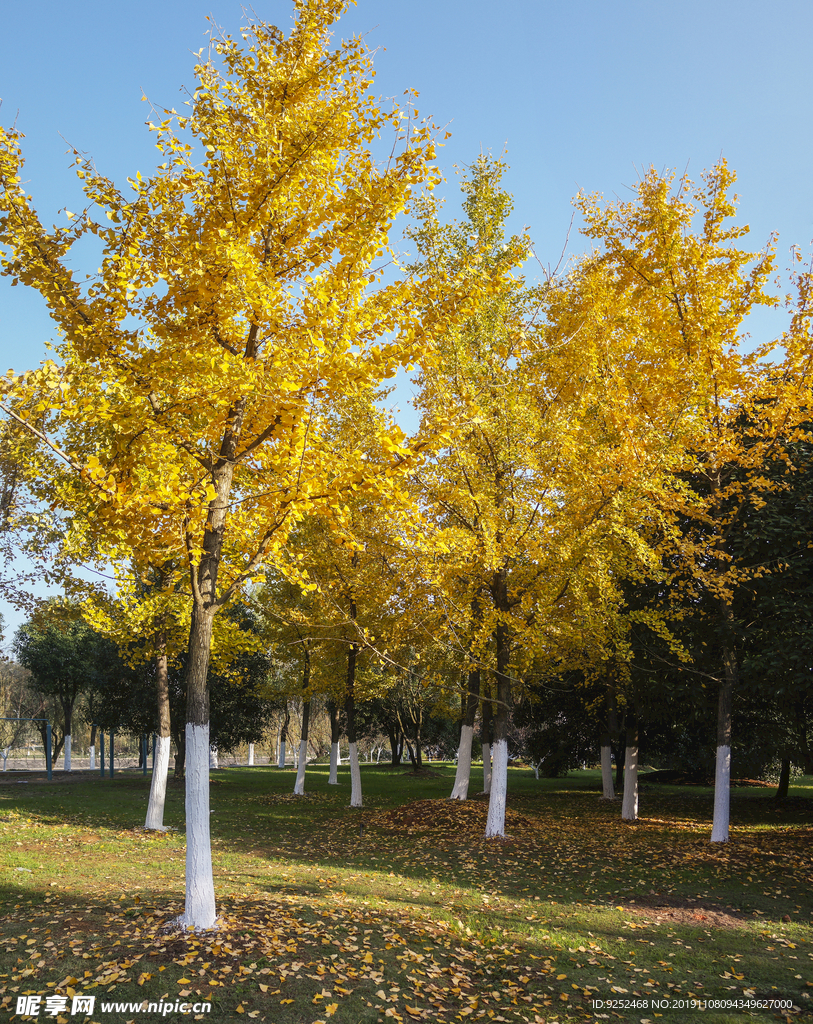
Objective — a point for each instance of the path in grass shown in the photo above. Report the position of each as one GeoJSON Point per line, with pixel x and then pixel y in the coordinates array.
{"type": "Point", "coordinates": [402, 911]}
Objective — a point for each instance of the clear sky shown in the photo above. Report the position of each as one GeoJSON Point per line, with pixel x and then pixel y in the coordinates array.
{"type": "Point", "coordinates": [578, 93]}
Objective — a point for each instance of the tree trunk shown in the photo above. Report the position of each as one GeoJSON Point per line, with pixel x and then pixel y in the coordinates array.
{"type": "Point", "coordinates": [607, 769]}
{"type": "Point", "coordinates": [251, 755]}
{"type": "Point", "coordinates": [335, 736]}
{"type": "Point", "coordinates": [618, 753]}
{"type": "Point", "coordinates": [299, 785]}
{"type": "Point", "coordinates": [179, 735]}
{"type": "Point", "coordinates": [412, 759]}
{"type": "Point", "coordinates": [396, 744]}
{"type": "Point", "coordinates": [804, 744]}
{"type": "Point", "coordinates": [495, 824]}
{"type": "Point", "coordinates": [92, 748]}
{"type": "Point", "coordinates": [67, 707]}
{"type": "Point", "coordinates": [471, 700]}
{"type": "Point", "coordinates": [160, 767]}
{"type": "Point", "coordinates": [486, 730]}
{"type": "Point", "coordinates": [56, 744]}
{"type": "Point", "coordinates": [283, 736]}
{"type": "Point", "coordinates": [784, 780]}
{"type": "Point", "coordinates": [629, 804]}
{"type": "Point", "coordinates": [199, 911]}
{"type": "Point", "coordinates": [610, 733]}
{"type": "Point", "coordinates": [350, 709]}
{"type": "Point", "coordinates": [722, 773]}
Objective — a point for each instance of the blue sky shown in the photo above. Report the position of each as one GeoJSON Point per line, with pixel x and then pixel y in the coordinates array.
{"type": "Point", "coordinates": [580, 94]}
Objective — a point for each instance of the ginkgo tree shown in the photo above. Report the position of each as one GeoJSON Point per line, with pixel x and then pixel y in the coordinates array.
{"type": "Point", "coordinates": [237, 298]}
{"type": "Point", "coordinates": [349, 629]}
{"type": "Point", "coordinates": [530, 536]}
{"type": "Point", "coordinates": [661, 303]}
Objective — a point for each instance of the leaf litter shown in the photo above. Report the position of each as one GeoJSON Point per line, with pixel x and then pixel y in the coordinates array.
{"type": "Point", "coordinates": [300, 947]}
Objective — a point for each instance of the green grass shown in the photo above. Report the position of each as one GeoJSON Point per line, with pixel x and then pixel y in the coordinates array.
{"type": "Point", "coordinates": [401, 911]}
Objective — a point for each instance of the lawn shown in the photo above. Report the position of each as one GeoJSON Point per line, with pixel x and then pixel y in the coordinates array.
{"type": "Point", "coordinates": [401, 911]}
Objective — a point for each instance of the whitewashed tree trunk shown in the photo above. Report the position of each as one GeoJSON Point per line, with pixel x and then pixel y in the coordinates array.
{"type": "Point", "coordinates": [213, 761]}
{"type": "Point", "coordinates": [158, 785]}
{"type": "Point", "coordinates": [335, 737]}
{"type": "Point", "coordinates": [251, 755]}
{"type": "Point", "coordinates": [281, 760]}
{"type": "Point", "coordinates": [160, 760]}
{"type": "Point", "coordinates": [334, 764]}
{"type": "Point", "coordinates": [460, 790]}
{"type": "Point", "coordinates": [299, 786]}
{"type": "Point", "coordinates": [350, 714]}
{"type": "Point", "coordinates": [722, 773]}
{"type": "Point", "coordinates": [722, 796]}
{"type": "Point", "coordinates": [470, 703]}
{"type": "Point", "coordinates": [302, 759]}
{"type": "Point", "coordinates": [495, 825]}
{"type": "Point", "coordinates": [66, 753]}
{"type": "Point", "coordinates": [199, 912]}
{"type": "Point", "coordinates": [607, 773]}
{"type": "Point", "coordinates": [92, 752]}
{"type": "Point", "coordinates": [629, 805]}
{"type": "Point", "coordinates": [355, 777]}
{"type": "Point", "coordinates": [486, 767]}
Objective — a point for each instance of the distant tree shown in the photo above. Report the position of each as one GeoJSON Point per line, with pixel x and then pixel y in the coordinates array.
{"type": "Point", "coordinates": [65, 658]}
{"type": "Point", "coordinates": [241, 700]}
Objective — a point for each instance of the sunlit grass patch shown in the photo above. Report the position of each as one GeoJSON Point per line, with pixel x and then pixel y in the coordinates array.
{"type": "Point", "coordinates": [574, 905]}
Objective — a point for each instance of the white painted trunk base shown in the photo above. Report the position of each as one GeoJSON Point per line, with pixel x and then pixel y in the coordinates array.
{"type": "Point", "coordinates": [199, 913]}
{"type": "Point", "coordinates": [607, 773]}
{"type": "Point", "coordinates": [299, 785]}
{"type": "Point", "coordinates": [66, 753]}
{"type": "Point", "coordinates": [495, 825]}
{"type": "Point", "coordinates": [213, 762]}
{"type": "Point", "coordinates": [486, 767]}
{"type": "Point", "coordinates": [92, 752]}
{"type": "Point", "coordinates": [334, 764]}
{"type": "Point", "coordinates": [251, 755]}
{"type": "Point", "coordinates": [722, 796]}
{"type": "Point", "coordinates": [158, 786]}
{"type": "Point", "coordinates": [281, 758]}
{"type": "Point", "coordinates": [460, 791]}
{"type": "Point", "coordinates": [355, 777]}
{"type": "Point", "coordinates": [629, 805]}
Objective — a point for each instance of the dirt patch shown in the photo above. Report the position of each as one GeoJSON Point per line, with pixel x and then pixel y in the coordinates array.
{"type": "Point", "coordinates": [700, 913]}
